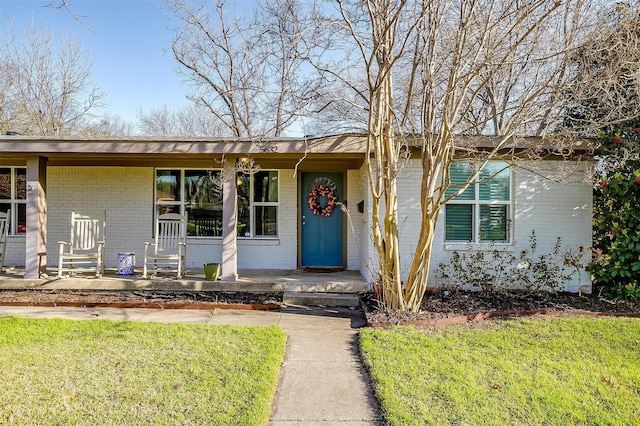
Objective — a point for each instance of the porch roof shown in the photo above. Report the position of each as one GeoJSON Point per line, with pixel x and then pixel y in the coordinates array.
{"type": "Point", "coordinates": [341, 150]}
{"type": "Point", "coordinates": [345, 149]}
{"type": "Point", "coordinates": [346, 143]}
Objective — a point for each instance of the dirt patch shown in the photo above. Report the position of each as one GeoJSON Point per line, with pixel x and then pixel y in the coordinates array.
{"type": "Point", "coordinates": [140, 298]}
{"type": "Point", "coordinates": [438, 306]}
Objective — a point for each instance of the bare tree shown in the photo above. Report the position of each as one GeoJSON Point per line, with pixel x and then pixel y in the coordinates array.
{"type": "Point", "coordinates": [604, 92]}
{"type": "Point", "coordinates": [8, 107]}
{"type": "Point", "coordinates": [65, 5]}
{"type": "Point", "coordinates": [441, 74]}
{"type": "Point", "coordinates": [51, 89]}
{"type": "Point", "coordinates": [109, 125]}
{"type": "Point", "coordinates": [157, 122]}
{"type": "Point", "coordinates": [192, 120]}
{"type": "Point", "coordinates": [248, 73]}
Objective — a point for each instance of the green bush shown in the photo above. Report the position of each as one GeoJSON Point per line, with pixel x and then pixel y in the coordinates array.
{"type": "Point", "coordinates": [500, 268]}
{"type": "Point", "coordinates": [616, 246]}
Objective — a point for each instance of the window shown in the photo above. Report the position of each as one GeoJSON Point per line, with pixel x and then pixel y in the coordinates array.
{"type": "Point", "coordinates": [196, 192]}
{"type": "Point", "coordinates": [482, 212]}
{"type": "Point", "coordinates": [258, 204]}
{"type": "Point", "coordinates": [13, 195]}
{"type": "Point", "coordinates": [199, 194]}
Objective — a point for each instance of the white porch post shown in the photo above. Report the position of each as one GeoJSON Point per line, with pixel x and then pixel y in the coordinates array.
{"type": "Point", "coordinates": [36, 232]}
{"type": "Point", "coordinates": [229, 232]}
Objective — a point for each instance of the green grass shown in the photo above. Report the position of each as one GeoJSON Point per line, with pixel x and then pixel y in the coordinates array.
{"type": "Point", "coordinates": [560, 371]}
{"type": "Point", "coordinates": [55, 371]}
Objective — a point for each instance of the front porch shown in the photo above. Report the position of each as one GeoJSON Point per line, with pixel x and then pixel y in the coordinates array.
{"type": "Point", "coordinates": [251, 280]}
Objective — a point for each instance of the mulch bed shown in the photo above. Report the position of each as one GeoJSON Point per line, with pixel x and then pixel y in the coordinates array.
{"type": "Point", "coordinates": [458, 307]}
{"type": "Point", "coordinates": [437, 308]}
{"type": "Point", "coordinates": [143, 299]}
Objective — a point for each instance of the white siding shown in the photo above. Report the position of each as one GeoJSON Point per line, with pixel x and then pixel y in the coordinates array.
{"type": "Point", "coordinates": [549, 208]}
{"type": "Point", "coordinates": [127, 196]}
{"type": "Point", "coordinates": [356, 227]}
{"type": "Point", "coordinates": [14, 251]}
{"type": "Point", "coordinates": [554, 200]}
{"type": "Point", "coordinates": [552, 209]}
{"type": "Point", "coordinates": [125, 193]}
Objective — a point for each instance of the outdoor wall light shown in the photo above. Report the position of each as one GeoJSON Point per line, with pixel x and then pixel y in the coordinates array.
{"type": "Point", "coordinates": [244, 163]}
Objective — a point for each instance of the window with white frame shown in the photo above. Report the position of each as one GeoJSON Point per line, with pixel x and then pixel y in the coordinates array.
{"type": "Point", "coordinates": [13, 195]}
{"type": "Point", "coordinates": [196, 192]}
{"type": "Point", "coordinates": [199, 194]}
{"type": "Point", "coordinates": [482, 213]}
{"type": "Point", "coordinates": [257, 204]}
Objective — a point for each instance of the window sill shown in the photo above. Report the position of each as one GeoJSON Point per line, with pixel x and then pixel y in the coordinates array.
{"type": "Point", "coordinates": [262, 241]}
{"type": "Point", "coordinates": [476, 246]}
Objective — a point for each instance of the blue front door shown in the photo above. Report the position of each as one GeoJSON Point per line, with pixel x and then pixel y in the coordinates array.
{"type": "Point", "coordinates": [321, 226]}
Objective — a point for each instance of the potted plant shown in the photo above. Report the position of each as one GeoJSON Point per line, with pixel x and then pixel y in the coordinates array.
{"type": "Point", "coordinates": [211, 271]}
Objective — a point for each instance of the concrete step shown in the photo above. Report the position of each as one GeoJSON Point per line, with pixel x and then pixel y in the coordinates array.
{"type": "Point", "coordinates": [320, 299]}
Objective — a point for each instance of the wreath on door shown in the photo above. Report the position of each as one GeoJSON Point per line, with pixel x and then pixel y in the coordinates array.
{"type": "Point", "coordinates": [322, 187]}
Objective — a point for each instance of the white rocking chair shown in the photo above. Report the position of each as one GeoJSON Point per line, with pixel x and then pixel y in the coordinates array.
{"type": "Point", "coordinates": [5, 221]}
{"type": "Point", "coordinates": [85, 246]}
{"type": "Point", "coordinates": [169, 247]}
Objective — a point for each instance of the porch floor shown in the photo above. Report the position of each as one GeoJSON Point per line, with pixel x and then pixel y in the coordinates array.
{"type": "Point", "coordinates": [256, 280]}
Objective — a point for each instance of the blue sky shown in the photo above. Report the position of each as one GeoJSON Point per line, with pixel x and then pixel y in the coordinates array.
{"type": "Point", "coordinates": [128, 43]}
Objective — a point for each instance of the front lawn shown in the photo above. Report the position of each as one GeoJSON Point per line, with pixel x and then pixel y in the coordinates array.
{"type": "Point", "coordinates": [542, 371]}
{"type": "Point", "coordinates": [55, 371]}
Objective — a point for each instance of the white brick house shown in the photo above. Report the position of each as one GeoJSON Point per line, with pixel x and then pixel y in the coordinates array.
{"type": "Point", "coordinates": [43, 180]}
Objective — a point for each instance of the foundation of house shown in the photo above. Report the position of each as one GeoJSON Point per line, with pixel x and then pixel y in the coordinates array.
{"type": "Point", "coordinates": [263, 280]}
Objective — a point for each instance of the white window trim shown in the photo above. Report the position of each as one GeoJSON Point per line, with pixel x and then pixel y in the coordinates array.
{"type": "Point", "coordinates": [253, 204]}
{"type": "Point", "coordinates": [182, 202]}
{"type": "Point", "coordinates": [476, 203]}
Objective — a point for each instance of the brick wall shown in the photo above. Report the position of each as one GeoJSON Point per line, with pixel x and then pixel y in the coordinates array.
{"type": "Point", "coordinates": [552, 209]}
{"type": "Point", "coordinates": [14, 252]}
{"type": "Point", "coordinates": [127, 196]}
{"type": "Point", "coordinates": [124, 193]}
{"type": "Point", "coordinates": [355, 225]}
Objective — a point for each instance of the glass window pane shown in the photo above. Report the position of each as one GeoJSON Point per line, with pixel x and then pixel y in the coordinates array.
{"type": "Point", "coordinates": [459, 222]}
{"type": "Point", "coordinates": [4, 207]}
{"type": "Point", "coordinates": [244, 207]}
{"type": "Point", "coordinates": [21, 184]}
{"type": "Point", "coordinates": [265, 187]}
{"type": "Point", "coordinates": [5, 183]}
{"type": "Point", "coordinates": [168, 208]}
{"type": "Point", "coordinates": [203, 202]}
{"type": "Point", "coordinates": [266, 219]}
{"type": "Point", "coordinates": [495, 182]}
{"type": "Point", "coordinates": [460, 172]}
{"type": "Point", "coordinates": [167, 185]}
{"type": "Point", "coordinates": [493, 223]}
{"type": "Point", "coordinates": [21, 225]}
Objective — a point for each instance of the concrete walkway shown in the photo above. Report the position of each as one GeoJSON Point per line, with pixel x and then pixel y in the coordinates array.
{"type": "Point", "coordinates": [322, 381]}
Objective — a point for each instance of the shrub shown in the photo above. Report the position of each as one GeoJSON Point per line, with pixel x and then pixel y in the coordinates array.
{"type": "Point", "coordinates": [616, 241]}
{"type": "Point", "coordinates": [499, 268]}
